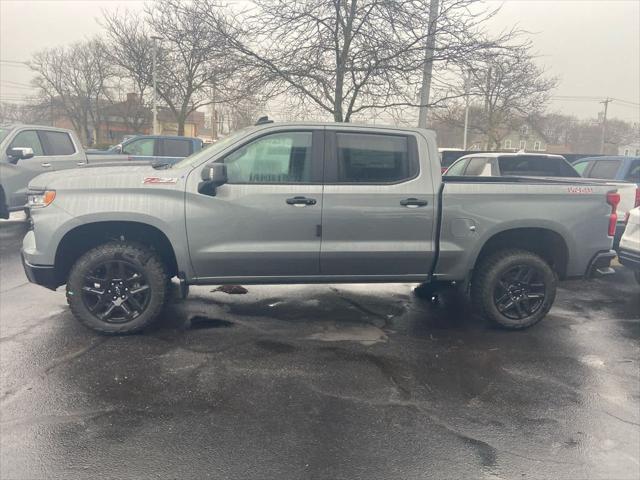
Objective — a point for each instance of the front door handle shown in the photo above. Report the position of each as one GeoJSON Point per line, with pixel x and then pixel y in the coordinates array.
{"type": "Point", "coordinates": [413, 203]}
{"type": "Point", "coordinates": [301, 201]}
{"type": "Point", "coordinates": [81, 163]}
{"type": "Point", "coordinates": [46, 164]}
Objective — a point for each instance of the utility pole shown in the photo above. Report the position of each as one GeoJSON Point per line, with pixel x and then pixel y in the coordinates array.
{"type": "Point", "coordinates": [606, 102]}
{"type": "Point", "coordinates": [155, 88]}
{"type": "Point", "coordinates": [427, 72]}
{"type": "Point", "coordinates": [214, 120]}
{"type": "Point", "coordinates": [467, 81]}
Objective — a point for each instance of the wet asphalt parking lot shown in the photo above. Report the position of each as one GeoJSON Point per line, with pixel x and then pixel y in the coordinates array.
{"type": "Point", "coordinates": [320, 382]}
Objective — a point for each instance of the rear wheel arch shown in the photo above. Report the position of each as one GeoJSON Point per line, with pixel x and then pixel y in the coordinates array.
{"type": "Point", "coordinates": [83, 238]}
{"type": "Point", "coordinates": [545, 242]}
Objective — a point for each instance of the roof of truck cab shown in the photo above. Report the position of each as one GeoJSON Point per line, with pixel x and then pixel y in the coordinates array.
{"type": "Point", "coordinates": [339, 125]}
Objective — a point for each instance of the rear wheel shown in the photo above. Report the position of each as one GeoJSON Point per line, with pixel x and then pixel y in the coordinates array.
{"type": "Point", "coordinates": [117, 288]}
{"type": "Point", "coordinates": [513, 288]}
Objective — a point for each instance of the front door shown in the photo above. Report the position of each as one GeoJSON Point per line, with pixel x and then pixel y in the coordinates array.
{"type": "Point", "coordinates": [265, 221]}
{"type": "Point", "coordinates": [378, 206]}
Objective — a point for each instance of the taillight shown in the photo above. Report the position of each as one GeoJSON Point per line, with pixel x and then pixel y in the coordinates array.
{"type": "Point", "coordinates": [637, 202]}
{"type": "Point", "coordinates": [613, 199]}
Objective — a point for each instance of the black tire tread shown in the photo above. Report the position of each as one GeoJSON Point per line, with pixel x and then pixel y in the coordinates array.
{"type": "Point", "coordinates": [151, 261]}
{"type": "Point", "coordinates": [480, 283]}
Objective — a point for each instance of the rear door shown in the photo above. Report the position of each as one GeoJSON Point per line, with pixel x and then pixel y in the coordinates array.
{"type": "Point", "coordinates": [378, 207]}
{"type": "Point", "coordinates": [265, 221]}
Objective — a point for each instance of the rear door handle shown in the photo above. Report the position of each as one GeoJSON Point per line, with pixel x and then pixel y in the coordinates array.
{"type": "Point", "coordinates": [46, 164]}
{"type": "Point", "coordinates": [413, 203]}
{"type": "Point", "coordinates": [301, 201]}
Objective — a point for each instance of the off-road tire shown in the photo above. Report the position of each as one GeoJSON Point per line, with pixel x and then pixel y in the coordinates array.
{"type": "Point", "coordinates": [486, 278]}
{"type": "Point", "coordinates": [144, 259]}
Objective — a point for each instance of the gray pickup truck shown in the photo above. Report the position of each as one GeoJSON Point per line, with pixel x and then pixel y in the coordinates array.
{"type": "Point", "coordinates": [311, 203]}
{"type": "Point", "coordinates": [26, 151]}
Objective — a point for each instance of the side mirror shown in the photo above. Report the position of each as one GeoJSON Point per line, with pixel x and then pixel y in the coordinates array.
{"type": "Point", "coordinates": [213, 175]}
{"type": "Point", "coordinates": [118, 148]}
{"type": "Point", "coordinates": [19, 153]}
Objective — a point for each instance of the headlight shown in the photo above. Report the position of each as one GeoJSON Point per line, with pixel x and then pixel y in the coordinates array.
{"type": "Point", "coordinates": [40, 199]}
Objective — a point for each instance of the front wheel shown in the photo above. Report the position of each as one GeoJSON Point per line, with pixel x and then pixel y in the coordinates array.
{"type": "Point", "coordinates": [513, 288]}
{"type": "Point", "coordinates": [117, 288]}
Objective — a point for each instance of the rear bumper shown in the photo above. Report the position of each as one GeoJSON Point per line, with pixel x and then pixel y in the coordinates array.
{"type": "Point", "coordinates": [629, 259]}
{"type": "Point", "coordinates": [601, 264]}
{"type": "Point", "coordinates": [44, 275]}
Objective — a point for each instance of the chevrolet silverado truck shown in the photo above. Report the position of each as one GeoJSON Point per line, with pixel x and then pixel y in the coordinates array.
{"type": "Point", "coordinates": [311, 203]}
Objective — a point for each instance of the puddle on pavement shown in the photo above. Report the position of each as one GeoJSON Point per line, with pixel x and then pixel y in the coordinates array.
{"type": "Point", "coordinates": [198, 323]}
{"type": "Point", "coordinates": [366, 335]}
{"type": "Point", "coordinates": [231, 289]}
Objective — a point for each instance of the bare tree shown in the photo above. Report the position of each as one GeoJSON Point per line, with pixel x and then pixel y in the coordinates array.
{"type": "Point", "coordinates": [345, 57]}
{"type": "Point", "coordinates": [510, 87]}
{"type": "Point", "coordinates": [191, 56]}
{"type": "Point", "coordinates": [75, 79]}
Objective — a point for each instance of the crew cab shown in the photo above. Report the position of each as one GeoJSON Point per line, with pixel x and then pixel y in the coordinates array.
{"type": "Point", "coordinates": [312, 203]}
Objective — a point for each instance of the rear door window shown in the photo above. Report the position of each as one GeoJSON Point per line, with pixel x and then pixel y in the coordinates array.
{"type": "Point", "coordinates": [604, 169]}
{"type": "Point", "coordinates": [28, 139]}
{"type": "Point", "coordinates": [536, 166]}
{"type": "Point", "coordinates": [57, 143]}
{"type": "Point", "coordinates": [373, 158]}
{"type": "Point", "coordinates": [457, 168]}
{"type": "Point", "coordinates": [478, 167]}
{"type": "Point", "coordinates": [581, 167]}
{"type": "Point", "coordinates": [175, 147]}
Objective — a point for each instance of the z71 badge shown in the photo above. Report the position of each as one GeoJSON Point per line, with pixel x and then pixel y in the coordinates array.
{"type": "Point", "coordinates": [155, 180]}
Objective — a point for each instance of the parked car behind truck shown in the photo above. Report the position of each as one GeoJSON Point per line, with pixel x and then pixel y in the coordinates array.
{"type": "Point", "coordinates": [311, 203]}
{"type": "Point", "coordinates": [152, 148]}
{"type": "Point", "coordinates": [29, 150]}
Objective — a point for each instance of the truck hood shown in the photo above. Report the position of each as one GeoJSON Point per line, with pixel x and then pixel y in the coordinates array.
{"type": "Point", "coordinates": [108, 177]}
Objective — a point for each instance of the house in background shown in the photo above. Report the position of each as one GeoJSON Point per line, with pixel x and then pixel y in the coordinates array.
{"type": "Point", "coordinates": [525, 137]}
{"type": "Point", "coordinates": [630, 149]}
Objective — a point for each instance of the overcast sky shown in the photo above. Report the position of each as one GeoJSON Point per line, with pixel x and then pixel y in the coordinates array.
{"type": "Point", "coordinates": [593, 46]}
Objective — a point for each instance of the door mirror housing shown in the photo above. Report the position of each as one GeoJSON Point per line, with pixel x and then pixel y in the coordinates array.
{"type": "Point", "coordinates": [19, 153]}
{"type": "Point", "coordinates": [213, 175]}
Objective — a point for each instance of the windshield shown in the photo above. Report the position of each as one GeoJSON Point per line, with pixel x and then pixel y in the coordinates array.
{"type": "Point", "coordinates": [4, 131]}
{"type": "Point", "coordinates": [209, 152]}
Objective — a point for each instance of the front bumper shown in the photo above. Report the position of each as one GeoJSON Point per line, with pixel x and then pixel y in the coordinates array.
{"type": "Point", "coordinates": [629, 259]}
{"type": "Point", "coordinates": [601, 264]}
{"type": "Point", "coordinates": [44, 275]}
